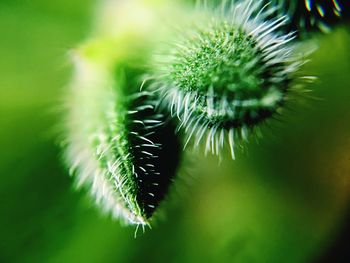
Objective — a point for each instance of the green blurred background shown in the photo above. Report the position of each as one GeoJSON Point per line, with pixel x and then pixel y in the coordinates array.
{"type": "Point", "coordinates": [285, 199]}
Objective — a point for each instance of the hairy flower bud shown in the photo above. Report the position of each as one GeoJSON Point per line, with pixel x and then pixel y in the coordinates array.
{"type": "Point", "coordinates": [228, 74]}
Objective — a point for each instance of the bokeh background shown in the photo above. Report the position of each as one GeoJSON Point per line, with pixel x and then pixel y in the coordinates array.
{"type": "Point", "coordinates": [285, 198]}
